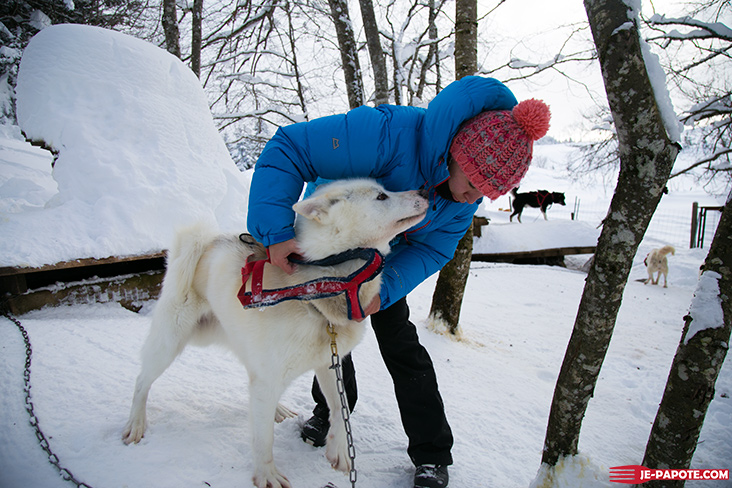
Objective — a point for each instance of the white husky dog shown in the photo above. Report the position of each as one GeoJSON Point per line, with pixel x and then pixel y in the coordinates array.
{"type": "Point", "coordinates": [199, 304]}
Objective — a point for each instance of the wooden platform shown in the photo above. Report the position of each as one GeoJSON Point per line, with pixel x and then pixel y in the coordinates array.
{"type": "Point", "coordinates": [132, 280]}
{"type": "Point", "coordinates": [533, 257]}
{"type": "Point", "coordinates": [127, 280]}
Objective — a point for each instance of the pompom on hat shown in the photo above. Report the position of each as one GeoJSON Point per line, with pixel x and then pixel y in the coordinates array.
{"type": "Point", "coordinates": [494, 148]}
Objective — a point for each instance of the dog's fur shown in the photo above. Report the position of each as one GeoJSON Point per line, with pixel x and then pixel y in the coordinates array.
{"type": "Point", "coordinates": [656, 262]}
{"type": "Point", "coordinates": [541, 199]}
{"type": "Point", "coordinates": [198, 304]}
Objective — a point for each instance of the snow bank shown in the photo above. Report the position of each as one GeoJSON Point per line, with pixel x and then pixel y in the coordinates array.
{"type": "Point", "coordinates": [706, 307]}
{"type": "Point", "coordinates": [570, 472]}
{"type": "Point", "coordinates": [138, 152]}
{"type": "Point", "coordinates": [26, 182]}
{"type": "Point", "coordinates": [533, 236]}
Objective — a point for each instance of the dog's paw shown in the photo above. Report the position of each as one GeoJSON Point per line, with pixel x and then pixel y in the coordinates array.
{"type": "Point", "coordinates": [134, 431]}
{"type": "Point", "coordinates": [283, 413]}
{"type": "Point", "coordinates": [336, 451]}
{"type": "Point", "coordinates": [267, 476]}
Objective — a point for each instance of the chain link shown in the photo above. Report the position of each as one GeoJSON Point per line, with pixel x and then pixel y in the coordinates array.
{"type": "Point", "coordinates": [335, 364]}
{"type": "Point", "coordinates": [33, 419]}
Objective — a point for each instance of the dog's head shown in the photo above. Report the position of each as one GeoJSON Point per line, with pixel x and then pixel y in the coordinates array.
{"type": "Point", "coordinates": [558, 198]}
{"type": "Point", "coordinates": [347, 214]}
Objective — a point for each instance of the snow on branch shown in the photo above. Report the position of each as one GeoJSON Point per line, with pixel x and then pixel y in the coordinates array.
{"type": "Point", "coordinates": [717, 157]}
{"type": "Point", "coordinates": [260, 114]}
{"type": "Point", "coordinates": [663, 99]}
{"type": "Point", "coordinates": [656, 75]}
{"type": "Point", "coordinates": [705, 30]}
{"type": "Point", "coordinates": [538, 67]}
{"type": "Point", "coordinates": [520, 64]}
{"type": "Point", "coordinates": [708, 109]}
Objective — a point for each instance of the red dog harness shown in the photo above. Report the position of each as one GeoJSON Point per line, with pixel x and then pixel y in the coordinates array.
{"type": "Point", "coordinates": [541, 197]}
{"type": "Point", "coordinates": [324, 287]}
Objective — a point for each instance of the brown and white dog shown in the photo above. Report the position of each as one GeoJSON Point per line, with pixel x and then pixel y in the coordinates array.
{"type": "Point", "coordinates": [656, 262]}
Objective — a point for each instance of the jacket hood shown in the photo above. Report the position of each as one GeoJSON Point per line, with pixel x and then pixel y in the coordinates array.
{"type": "Point", "coordinates": [454, 105]}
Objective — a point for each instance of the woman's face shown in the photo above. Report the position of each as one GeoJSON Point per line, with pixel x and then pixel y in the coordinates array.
{"type": "Point", "coordinates": [461, 188]}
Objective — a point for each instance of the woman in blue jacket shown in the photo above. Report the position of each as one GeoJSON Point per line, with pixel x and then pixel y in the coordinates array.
{"type": "Point", "coordinates": [473, 140]}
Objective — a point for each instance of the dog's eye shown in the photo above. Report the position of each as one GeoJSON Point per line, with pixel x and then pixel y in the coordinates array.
{"type": "Point", "coordinates": [382, 196]}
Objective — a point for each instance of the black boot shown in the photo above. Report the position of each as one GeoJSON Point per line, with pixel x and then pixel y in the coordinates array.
{"type": "Point", "coordinates": [431, 476]}
{"type": "Point", "coordinates": [315, 431]}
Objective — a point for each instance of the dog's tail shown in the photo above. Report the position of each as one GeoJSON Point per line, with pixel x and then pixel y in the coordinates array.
{"type": "Point", "coordinates": [188, 247]}
{"type": "Point", "coordinates": [666, 250]}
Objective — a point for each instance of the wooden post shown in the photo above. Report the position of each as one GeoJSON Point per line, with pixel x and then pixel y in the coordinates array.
{"type": "Point", "coordinates": [478, 223]}
{"type": "Point", "coordinates": [702, 221]}
{"type": "Point", "coordinates": [694, 224]}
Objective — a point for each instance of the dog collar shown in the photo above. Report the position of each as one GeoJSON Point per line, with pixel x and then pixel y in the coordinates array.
{"type": "Point", "coordinates": [324, 287]}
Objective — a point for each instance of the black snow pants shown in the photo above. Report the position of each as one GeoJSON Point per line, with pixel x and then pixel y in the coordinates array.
{"type": "Point", "coordinates": [415, 384]}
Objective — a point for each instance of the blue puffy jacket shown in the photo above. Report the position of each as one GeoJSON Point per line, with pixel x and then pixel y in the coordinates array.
{"type": "Point", "coordinates": [404, 148]}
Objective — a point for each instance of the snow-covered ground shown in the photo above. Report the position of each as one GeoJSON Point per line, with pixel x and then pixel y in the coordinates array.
{"type": "Point", "coordinates": [497, 381]}
{"type": "Point", "coordinates": [497, 384]}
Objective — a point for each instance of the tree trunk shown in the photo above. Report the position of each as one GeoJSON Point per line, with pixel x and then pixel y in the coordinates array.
{"type": "Point", "coordinates": [396, 77]}
{"type": "Point", "coordinates": [376, 53]}
{"type": "Point", "coordinates": [349, 53]}
{"type": "Point", "coordinates": [196, 36]}
{"type": "Point", "coordinates": [699, 357]}
{"type": "Point", "coordinates": [466, 38]}
{"type": "Point", "coordinates": [646, 158]}
{"type": "Point", "coordinates": [299, 86]}
{"type": "Point", "coordinates": [432, 53]}
{"type": "Point", "coordinates": [170, 27]}
{"type": "Point", "coordinates": [450, 288]}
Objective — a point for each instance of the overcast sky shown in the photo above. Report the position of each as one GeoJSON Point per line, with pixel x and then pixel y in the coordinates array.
{"type": "Point", "coordinates": [534, 31]}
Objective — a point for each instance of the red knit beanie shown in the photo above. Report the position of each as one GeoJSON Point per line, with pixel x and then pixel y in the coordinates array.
{"type": "Point", "coordinates": [494, 148]}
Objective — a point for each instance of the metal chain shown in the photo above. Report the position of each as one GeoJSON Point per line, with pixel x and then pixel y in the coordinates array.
{"type": "Point", "coordinates": [68, 475]}
{"type": "Point", "coordinates": [52, 458]}
{"type": "Point", "coordinates": [335, 364]}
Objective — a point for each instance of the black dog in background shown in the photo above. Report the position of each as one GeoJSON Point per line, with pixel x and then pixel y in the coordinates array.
{"type": "Point", "coordinates": [538, 199]}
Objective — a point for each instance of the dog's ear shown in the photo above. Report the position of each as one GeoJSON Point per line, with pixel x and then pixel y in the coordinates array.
{"type": "Point", "coordinates": [313, 208]}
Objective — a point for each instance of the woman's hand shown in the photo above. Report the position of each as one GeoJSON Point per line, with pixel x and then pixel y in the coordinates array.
{"type": "Point", "coordinates": [278, 254]}
{"type": "Point", "coordinates": [373, 307]}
